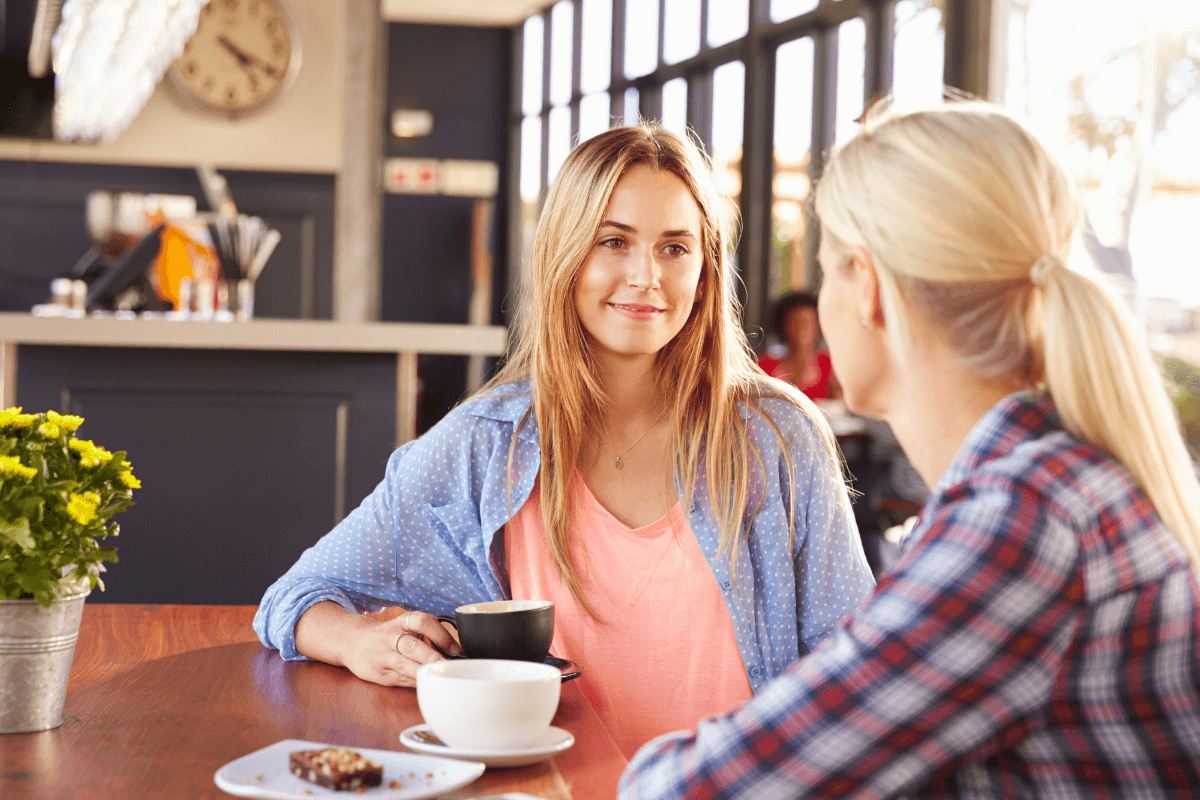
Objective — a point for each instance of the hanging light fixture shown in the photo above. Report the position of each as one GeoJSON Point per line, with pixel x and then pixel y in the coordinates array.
{"type": "Point", "coordinates": [108, 56]}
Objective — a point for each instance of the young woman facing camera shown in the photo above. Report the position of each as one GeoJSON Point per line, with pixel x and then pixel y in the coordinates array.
{"type": "Point", "coordinates": [685, 513]}
{"type": "Point", "coordinates": [1040, 636]}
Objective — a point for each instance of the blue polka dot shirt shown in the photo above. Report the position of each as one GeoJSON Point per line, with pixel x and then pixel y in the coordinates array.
{"type": "Point", "coordinates": [430, 536]}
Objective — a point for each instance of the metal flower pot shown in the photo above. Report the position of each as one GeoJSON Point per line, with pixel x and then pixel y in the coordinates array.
{"type": "Point", "coordinates": [36, 647]}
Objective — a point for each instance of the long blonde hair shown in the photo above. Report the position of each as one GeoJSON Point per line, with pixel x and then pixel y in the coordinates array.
{"type": "Point", "coordinates": [970, 220]}
{"type": "Point", "coordinates": [705, 372]}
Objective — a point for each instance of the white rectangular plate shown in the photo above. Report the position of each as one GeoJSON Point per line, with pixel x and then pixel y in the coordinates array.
{"type": "Point", "coordinates": [264, 773]}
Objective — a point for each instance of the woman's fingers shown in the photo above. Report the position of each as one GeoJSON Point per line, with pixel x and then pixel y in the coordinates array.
{"type": "Point", "coordinates": [426, 625]}
{"type": "Point", "coordinates": [390, 652]}
{"type": "Point", "coordinates": [416, 650]}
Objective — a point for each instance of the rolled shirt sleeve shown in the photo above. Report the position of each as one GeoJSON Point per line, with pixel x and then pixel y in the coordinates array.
{"type": "Point", "coordinates": [416, 541]}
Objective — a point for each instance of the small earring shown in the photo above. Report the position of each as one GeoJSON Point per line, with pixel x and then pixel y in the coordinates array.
{"type": "Point", "coordinates": [864, 322]}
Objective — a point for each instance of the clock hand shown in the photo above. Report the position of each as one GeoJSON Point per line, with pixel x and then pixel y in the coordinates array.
{"type": "Point", "coordinates": [243, 58]}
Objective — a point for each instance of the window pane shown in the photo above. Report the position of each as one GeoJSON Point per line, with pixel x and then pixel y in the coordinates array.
{"type": "Point", "coordinates": [531, 174]}
{"type": "Point", "coordinates": [681, 30]}
{"type": "Point", "coordinates": [531, 66]}
{"type": "Point", "coordinates": [632, 115]}
{"type": "Point", "coordinates": [729, 90]}
{"type": "Point", "coordinates": [641, 37]}
{"type": "Point", "coordinates": [596, 58]}
{"type": "Point", "coordinates": [790, 183]}
{"type": "Point", "coordinates": [674, 105]}
{"type": "Point", "coordinates": [561, 41]}
{"type": "Point", "coordinates": [727, 20]}
{"type": "Point", "coordinates": [1114, 89]}
{"type": "Point", "coordinates": [560, 138]}
{"type": "Point", "coordinates": [593, 115]}
{"type": "Point", "coordinates": [851, 77]}
{"type": "Point", "coordinates": [531, 159]}
{"type": "Point", "coordinates": [920, 48]}
{"type": "Point", "coordinates": [786, 9]}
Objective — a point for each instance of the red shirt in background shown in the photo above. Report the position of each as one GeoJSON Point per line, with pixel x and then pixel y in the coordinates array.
{"type": "Point", "coordinates": [816, 391]}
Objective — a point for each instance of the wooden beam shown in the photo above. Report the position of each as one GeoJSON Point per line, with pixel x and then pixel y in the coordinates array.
{"type": "Point", "coordinates": [968, 45]}
{"type": "Point", "coordinates": [358, 212]}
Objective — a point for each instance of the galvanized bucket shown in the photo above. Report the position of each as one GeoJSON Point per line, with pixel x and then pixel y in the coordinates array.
{"type": "Point", "coordinates": [36, 647]}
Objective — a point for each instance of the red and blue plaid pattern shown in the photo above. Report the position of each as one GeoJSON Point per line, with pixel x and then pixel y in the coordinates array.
{"type": "Point", "coordinates": [1038, 639]}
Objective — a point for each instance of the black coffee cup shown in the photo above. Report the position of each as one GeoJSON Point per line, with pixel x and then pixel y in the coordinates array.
{"type": "Point", "coordinates": [515, 630]}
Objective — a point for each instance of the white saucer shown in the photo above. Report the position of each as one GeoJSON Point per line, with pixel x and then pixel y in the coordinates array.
{"type": "Point", "coordinates": [549, 744]}
{"type": "Point", "coordinates": [264, 774]}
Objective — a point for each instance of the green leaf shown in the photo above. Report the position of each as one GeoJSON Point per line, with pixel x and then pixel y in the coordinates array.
{"type": "Point", "coordinates": [106, 554]}
{"type": "Point", "coordinates": [18, 532]}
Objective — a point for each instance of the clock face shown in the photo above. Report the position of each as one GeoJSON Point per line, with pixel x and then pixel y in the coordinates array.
{"type": "Point", "coordinates": [243, 54]}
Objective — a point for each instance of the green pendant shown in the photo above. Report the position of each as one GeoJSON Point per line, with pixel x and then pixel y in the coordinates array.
{"type": "Point", "coordinates": [619, 463]}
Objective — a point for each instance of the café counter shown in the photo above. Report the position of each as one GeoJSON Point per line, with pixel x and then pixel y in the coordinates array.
{"type": "Point", "coordinates": [251, 439]}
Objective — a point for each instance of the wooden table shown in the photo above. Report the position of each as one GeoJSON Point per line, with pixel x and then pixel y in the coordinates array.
{"type": "Point", "coordinates": [161, 696]}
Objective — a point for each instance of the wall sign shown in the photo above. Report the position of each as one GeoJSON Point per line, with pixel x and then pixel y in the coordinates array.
{"type": "Point", "coordinates": [457, 177]}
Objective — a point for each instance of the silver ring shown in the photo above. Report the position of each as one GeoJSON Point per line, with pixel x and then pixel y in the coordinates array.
{"type": "Point", "coordinates": [398, 638]}
{"type": "Point", "coordinates": [408, 618]}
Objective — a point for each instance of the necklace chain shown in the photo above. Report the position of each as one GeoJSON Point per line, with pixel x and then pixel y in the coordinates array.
{"type": "Point", "coordinates": [620, 462]}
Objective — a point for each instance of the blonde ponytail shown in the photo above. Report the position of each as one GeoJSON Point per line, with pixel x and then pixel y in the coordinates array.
{"type": "Point", "coordinates": [970, 219]}
{"type": "Point", "coordinates": [1109, 392]}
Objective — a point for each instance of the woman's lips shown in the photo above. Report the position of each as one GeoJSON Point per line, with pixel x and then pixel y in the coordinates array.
{"type": "Point", "coordinates": [636, 310]}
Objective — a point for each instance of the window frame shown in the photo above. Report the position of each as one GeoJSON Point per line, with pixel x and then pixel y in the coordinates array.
{"type": "Point", "coordinates": [756, 50]}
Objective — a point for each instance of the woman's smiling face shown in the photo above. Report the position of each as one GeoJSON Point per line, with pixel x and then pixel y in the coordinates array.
{"type": "Point", "coordinates": [636, 288]}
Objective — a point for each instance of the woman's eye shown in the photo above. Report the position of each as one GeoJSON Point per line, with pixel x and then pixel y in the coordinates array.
{"type": "Point", "coordinates": [676, 250]}
{"type": "Point", "coordinates": [612, 242]}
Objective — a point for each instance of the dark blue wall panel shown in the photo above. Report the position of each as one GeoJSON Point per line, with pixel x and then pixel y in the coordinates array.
{"type": "Point", "coordinates": [461, 76]}
{"type": "Point", "coordinates": [43, 231]}
{"type": "Point", "coordinates": [238, 454]}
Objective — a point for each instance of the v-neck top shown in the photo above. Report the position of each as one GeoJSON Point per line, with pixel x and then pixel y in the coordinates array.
{"type": "Point", "coordinates": [661, 652]}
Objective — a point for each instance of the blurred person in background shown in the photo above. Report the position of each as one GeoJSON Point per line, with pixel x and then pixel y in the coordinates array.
{"type": "Point", "coordinates": [799, 357]}
{"type": "Point", "coordinates": [1040, 635]}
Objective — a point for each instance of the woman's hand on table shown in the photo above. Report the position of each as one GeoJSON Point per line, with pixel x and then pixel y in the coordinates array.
{"type": "Point", "coordinates": [386, 652]}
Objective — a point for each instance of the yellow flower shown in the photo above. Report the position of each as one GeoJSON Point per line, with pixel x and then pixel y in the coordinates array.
{"type": "Point", "coordinates": [129, 480]}
{"type": "Point", "coordinates": [20, 420]}
{"type": "Point", "coordinates": [68, 421]}
{"type": "Point", "coordinates": [90, 454]}
{"type": "Point", "coordinates": [49, 430]}
{"type": "Point", "coordinates": [11, 465]}
{"type": "Point", "coordinates": [8, 415]}
{"type": "Point", "coordinates": [82, 508]}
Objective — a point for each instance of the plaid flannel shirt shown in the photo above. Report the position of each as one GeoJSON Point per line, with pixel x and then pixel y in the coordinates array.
{"type": "Point", "coordinates": [1037, 639]}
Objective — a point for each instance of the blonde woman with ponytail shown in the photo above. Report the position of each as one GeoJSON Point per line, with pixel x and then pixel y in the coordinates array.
{"type": "Point", "coordinates": [685, 513]}
{"type": "Point", "coordinates": [1040, 636]}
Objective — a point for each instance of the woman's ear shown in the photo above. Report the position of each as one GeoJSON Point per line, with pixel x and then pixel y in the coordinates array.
{"type": "Point", "coordinates": [870, 305]}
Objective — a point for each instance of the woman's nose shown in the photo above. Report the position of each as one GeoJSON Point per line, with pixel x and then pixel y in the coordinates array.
{"type": "Point", "coordinates": [643, 270]}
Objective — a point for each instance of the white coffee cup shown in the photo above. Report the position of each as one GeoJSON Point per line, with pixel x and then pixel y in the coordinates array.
{"type": "Point", "coordinates": [488, 704]}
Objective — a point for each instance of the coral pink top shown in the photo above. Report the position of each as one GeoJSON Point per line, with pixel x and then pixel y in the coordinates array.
{"type": "Point", "coordinates": [662, 653]}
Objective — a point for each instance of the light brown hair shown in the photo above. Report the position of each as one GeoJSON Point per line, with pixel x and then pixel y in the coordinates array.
{"type": "Point", "coordinates": [705, 373]}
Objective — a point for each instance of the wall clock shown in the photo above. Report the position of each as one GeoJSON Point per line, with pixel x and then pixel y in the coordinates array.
{"type": "Point", "coordinates": [244, 55]}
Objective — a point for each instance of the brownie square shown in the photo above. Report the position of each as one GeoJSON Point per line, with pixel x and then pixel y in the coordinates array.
{"type": "Point", "coordinates": [336, 768]}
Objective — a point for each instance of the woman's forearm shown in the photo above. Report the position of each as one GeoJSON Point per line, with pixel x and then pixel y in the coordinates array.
{"type": "Point", "coordinates": [325, 630]}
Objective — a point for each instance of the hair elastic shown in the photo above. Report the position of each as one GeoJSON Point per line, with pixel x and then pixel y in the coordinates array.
{"type": "Point", "coordinates": [1042, 268]}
